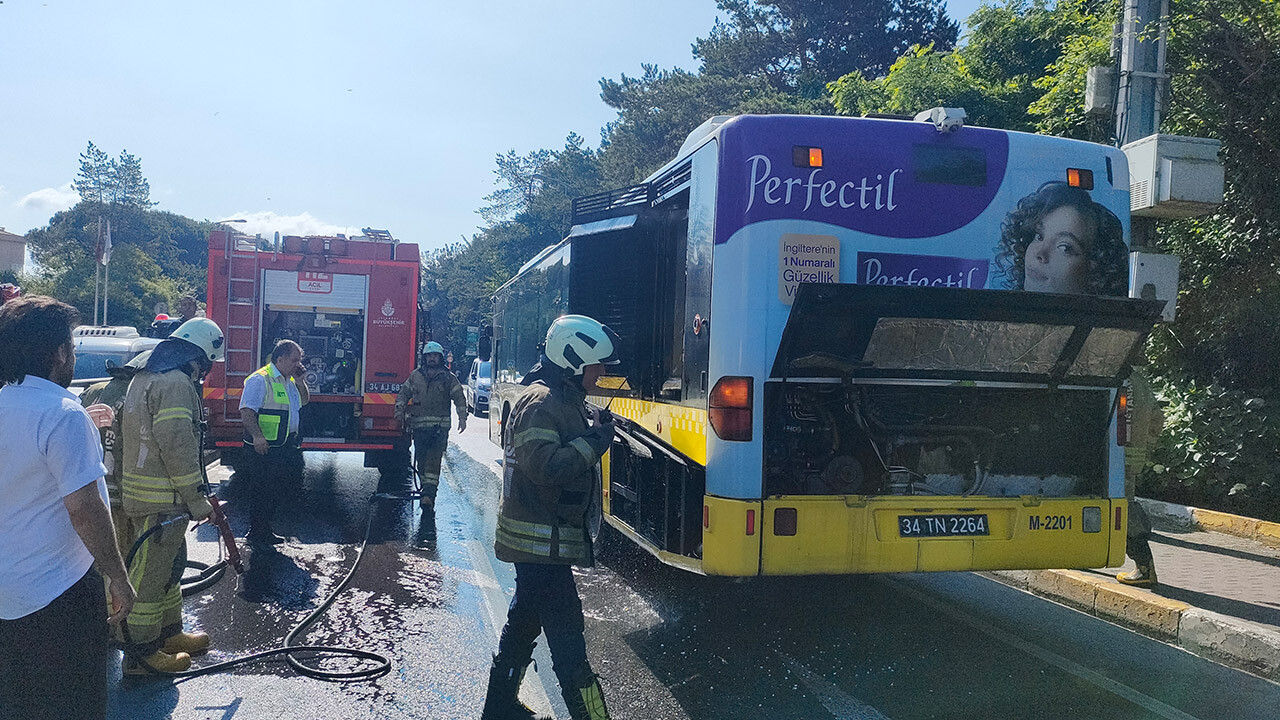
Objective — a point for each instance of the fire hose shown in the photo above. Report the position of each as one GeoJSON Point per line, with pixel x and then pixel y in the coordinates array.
{"type": "Point", "coordinates": [210, 574]}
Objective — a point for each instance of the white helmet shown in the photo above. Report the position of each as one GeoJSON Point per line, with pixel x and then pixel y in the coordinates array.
{"type": "Point", "coordinates": [433, 347]}
{"type": "Point", "coordinates": [204, 334]}
{"type": "Point", "coordinates": [576, 341]}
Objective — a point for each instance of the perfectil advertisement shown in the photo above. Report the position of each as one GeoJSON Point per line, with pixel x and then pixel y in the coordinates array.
{"type": "Point", "coordinates": [902, 203]}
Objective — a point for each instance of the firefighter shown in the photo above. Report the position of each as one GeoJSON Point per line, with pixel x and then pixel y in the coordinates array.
{"type": "Point", "coordinates": [552, 444]}
{"type": "Point", "coordinates": [110, 394]}
{"type": "Point", "coordinates": [271, 410]}
{"type": "Point", "coordinates": [161, 483]}
{"type": "Point", "coordinates": [422, 408]}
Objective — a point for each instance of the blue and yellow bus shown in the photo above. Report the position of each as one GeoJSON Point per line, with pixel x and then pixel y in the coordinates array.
{"type": "Point", "coordinates": [855, 345]}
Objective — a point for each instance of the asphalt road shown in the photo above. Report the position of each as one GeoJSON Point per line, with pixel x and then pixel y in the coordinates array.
{"type": "Point", "coordinates": [431, 596]}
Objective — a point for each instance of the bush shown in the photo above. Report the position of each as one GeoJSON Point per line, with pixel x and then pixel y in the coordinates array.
{"type": "Point", "coordinates": [1218, 450]}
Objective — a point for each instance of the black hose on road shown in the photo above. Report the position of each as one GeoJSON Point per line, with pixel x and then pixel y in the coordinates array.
{"type": "Point", "coordinates": [210, 574]}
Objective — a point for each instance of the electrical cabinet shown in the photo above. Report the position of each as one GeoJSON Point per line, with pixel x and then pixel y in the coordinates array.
{"type": "Point", "coordinates": [1172, 176]}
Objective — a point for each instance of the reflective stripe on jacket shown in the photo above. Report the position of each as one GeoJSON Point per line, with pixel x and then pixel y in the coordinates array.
{"type": "Point", "coordinates": [548, 477]}
{"type": "Point", "coordinates": [159, 433]}
{"type": "Point", "coordinates": [424, 398]}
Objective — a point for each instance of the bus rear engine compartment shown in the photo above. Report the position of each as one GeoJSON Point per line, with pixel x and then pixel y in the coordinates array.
{"type": "Point", "coordinates": [833, 438]}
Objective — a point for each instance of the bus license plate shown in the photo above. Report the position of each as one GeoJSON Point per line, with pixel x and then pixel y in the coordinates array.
{"type": "Point", "coordinates": [942, 525]}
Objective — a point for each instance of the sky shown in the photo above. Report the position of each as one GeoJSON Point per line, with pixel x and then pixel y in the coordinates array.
{"type": "Point", "coordinates": [314, 116]}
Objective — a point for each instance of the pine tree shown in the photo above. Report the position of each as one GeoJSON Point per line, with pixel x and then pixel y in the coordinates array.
{"type": "Point", "coordinates": [129, 187]}
{"type": "Point", "coordinates": [94, 180]}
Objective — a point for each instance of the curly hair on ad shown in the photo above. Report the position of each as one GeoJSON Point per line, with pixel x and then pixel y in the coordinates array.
{"type": "Point", "coordinates": [1105, 270]}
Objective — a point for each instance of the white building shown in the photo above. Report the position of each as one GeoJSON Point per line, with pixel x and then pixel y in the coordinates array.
{"type": "Point", "coordinates": [13, 249]}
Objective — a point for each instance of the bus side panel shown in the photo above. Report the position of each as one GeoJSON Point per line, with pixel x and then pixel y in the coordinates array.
{"type": "Point", "coordinates": [727, 546]}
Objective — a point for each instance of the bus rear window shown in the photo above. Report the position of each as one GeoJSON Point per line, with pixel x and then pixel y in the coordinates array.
{"type": "Point", "coordinates": [949, 165]}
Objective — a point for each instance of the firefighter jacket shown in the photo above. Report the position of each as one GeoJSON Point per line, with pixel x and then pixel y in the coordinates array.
{"type": "Point", "coordinates": [160, 472]}
{"type": "Point", "coordinates": [110, 393]}
{"type": "Point", "coordinates": [549, 478]}
{"type": "Point", "coordinates": [424, 398]}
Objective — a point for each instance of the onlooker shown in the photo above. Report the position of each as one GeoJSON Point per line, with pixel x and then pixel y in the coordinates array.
{"type": "Point", "coordinates": [1145, 423]}
{"type": "Point", "coordinates": [271, 408]}
{"type": "Point", "coordinates": [189, 307]}
{"type": "Point", "coordinates": [55, 527]}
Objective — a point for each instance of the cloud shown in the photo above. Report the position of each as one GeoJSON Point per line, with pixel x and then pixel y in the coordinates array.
{"type": "Point", "coordinates": [267, 223]}
{"type": "Point", "coordinates": [50, 199]}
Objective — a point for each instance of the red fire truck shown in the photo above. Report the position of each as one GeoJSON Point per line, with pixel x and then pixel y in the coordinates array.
{"type": "Point", "coordinates": [351, 303]}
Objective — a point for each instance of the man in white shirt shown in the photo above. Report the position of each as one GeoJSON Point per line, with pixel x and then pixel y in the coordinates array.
{"type": "Point", "coordinates": [55, 526]}
{"type": "Point", "coordinates": [270, 408]}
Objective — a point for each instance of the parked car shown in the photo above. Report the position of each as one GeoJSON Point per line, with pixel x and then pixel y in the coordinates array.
{"type": "Point", "coordinates": [98, 348]}
{"type": "Point", "coordinates": [477, 388]}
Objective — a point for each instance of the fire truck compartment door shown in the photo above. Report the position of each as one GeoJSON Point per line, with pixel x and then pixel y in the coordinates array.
{"type": "Point", "coordinates": [284, 290]}
{"type": "Point", "coordinates": [962, 335]}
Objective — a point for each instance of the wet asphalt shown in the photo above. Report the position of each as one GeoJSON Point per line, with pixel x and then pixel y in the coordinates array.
{"type": "Point", "coordinates": [430, 596]}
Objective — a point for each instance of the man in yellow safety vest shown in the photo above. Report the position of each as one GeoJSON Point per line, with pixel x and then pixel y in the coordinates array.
{"type": "Point", "coordinates": [270, 408]}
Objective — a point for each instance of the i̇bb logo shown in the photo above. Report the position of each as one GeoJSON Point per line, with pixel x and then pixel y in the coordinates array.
{"type": "Point", "coordinates": [387, 309]}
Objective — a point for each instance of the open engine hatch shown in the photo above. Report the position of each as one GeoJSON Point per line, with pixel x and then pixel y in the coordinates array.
{"type": "Point", "coordinates": [927, 333]}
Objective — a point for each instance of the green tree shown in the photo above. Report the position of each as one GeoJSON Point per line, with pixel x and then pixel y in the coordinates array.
{"type": "Point", "coordinates": [128, 185]}
{"type": "Point", "coordinates": [94, 180]}
{"type": "Point", "coordinates": [112, 181]}
{"type": "Point", "coordinates": [155, 256]}
{"type": "Point", "coordinates": [799, 46]}
{"type": "Point", "coordinates": [1022, 69]}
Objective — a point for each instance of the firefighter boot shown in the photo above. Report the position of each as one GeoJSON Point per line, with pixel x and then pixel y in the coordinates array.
{"type": "Point", "coordinates": [160, 660]}
{"type": "Point", "coordinates": [502, 699]}
{"type": "Point", "coordinates": [1143, 576]}
{"type": "Point", "coordinates": [185, 642]}
{"type": "Point", "coordinates": [585, 698]}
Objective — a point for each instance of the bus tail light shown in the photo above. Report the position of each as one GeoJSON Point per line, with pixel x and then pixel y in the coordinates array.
{"type": "Point", "coordinates": [706, 517]}
{"type": "Point", "coordinates": [1122, 418]}
{"type": "Point", "coordinates": [806, 157]}
{"type": "Point", "coordinates": [1118, 511]}
{"type": "Point", "coordinates": [1082, 179]}
{"type": "Point", "coordinates": [729, 408]}
{"type": "Point", "coordinates": [751, 522]}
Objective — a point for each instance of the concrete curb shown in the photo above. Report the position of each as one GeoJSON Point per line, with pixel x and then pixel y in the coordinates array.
{"type": "Point", "coordinates": [1207, 634]}
{"type": "Point", "coordinates": [1267, 533]}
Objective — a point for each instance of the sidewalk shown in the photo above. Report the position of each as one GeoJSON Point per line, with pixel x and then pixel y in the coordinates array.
{"type": "Point", "coordinates": [1219, 593]}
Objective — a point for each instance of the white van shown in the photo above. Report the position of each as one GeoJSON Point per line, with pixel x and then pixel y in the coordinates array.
{"type": "Point", "coordinates": [98, 348]}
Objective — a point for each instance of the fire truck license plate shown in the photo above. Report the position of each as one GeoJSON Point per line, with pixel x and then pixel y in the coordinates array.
{"type": "Point", "coordinates": [942, 525]}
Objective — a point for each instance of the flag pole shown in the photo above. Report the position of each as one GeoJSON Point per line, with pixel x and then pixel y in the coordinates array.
{"type": "Point", "coordinates": [106, 272]}
{"type": "Point", "coordinates": [97, 258]}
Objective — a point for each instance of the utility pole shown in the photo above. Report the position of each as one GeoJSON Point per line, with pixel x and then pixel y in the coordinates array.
{"type": "Point", "coordinates": [1142, 82]}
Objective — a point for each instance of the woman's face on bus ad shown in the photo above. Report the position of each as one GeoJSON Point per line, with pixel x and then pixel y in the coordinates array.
{"type": "Point", "coordinates": [1056, 261]}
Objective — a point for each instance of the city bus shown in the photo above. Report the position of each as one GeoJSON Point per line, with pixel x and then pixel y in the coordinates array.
{"type": "Point", "coordinates": [854, 345]}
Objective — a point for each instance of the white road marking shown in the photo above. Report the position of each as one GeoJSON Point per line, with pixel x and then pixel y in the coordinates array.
{"type": "Point", "coordinates": [535, 693]}
{"type": "Point", "coordinates": [1145, 701]}
{"type": "Point", "coordinates": [839, 703]}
